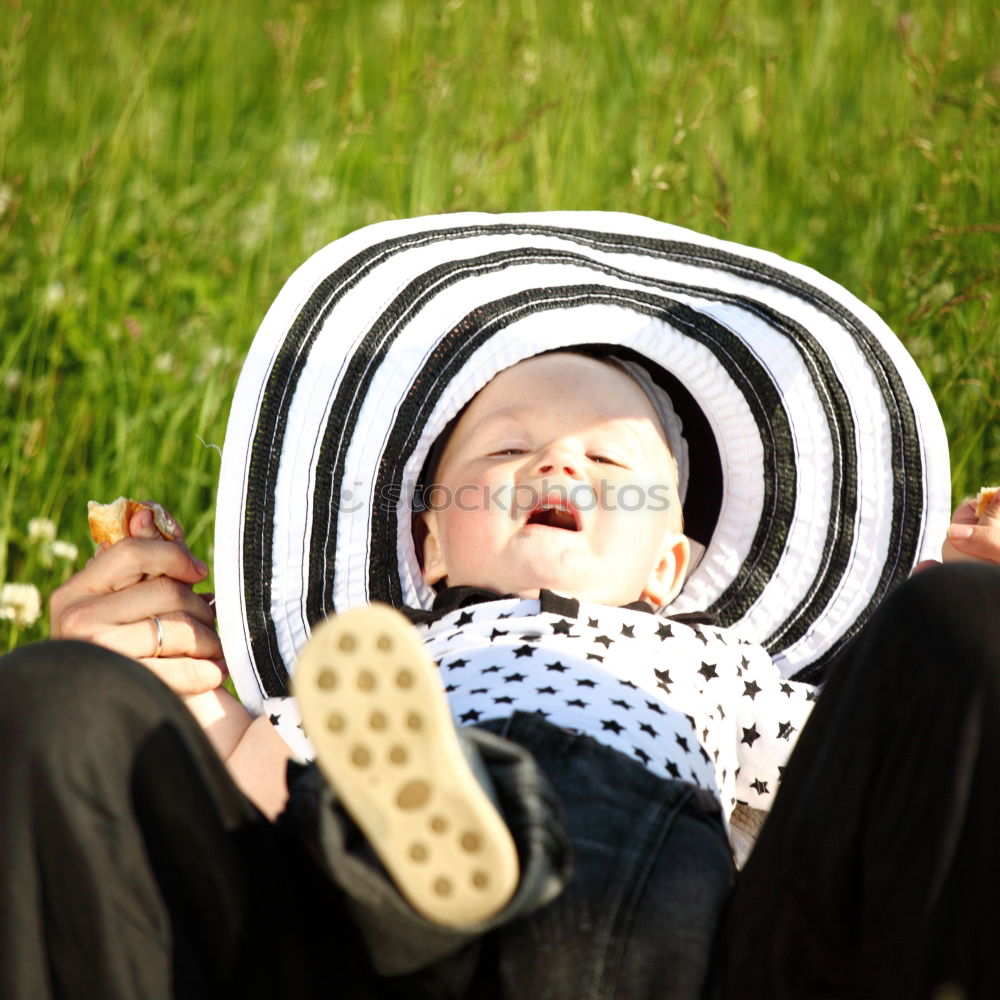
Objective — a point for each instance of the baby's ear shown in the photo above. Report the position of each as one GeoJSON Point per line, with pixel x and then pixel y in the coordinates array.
{"type": "Point", "coordinates": [429, 550]}
{"type": "Point", "coordinates": [667, 577]}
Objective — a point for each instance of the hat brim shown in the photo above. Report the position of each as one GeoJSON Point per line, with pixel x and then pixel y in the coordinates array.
{"type": "Point", "coordinates": [832, 454]}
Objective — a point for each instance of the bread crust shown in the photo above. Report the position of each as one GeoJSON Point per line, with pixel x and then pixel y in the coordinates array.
{"type": "Point", "coordinates": [109, 521]}
{"type": "Point", "coordinates": [986, 494]}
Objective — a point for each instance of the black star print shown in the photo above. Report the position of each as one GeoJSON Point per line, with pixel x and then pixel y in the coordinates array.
{"type": "Point", "coordinates": [274, 719]}
{"type": "Point", "coordinates": [785, 730]}
{"type": "Point", "coordinates": [750, 735]}
{"type": "Point", "coordinates": [466, 618]}
{"type": "Point", "coordinates": [663, 679]}
{"type": "Point", "coordinates": [577, 703]}
{"type": "Point", "coordinates": [648, 729]}
{"type": "Point", "coordinates": [504, 699]}
{"type": "Point", "coordinates": [506, 614]}
{"type": "Point", "coordinates": [665, 632]}
{"type": "Point", "coordinates": [751, 689]}
{"type": "Point", "coordinates": [653, 707]}
{"type": "Point", "coordinates": [673, 770]}
{"type": "Point", "coordinates": [760, 787]}
{"type": "Point", "coordinates": [525, 650]}
{"type": "Point", "coordinates": [604, 640]}
{"type": "Point", "coordinates": [586, 682]}
{"type": "Point", "coordinates": [621, 704]}
{"type": "Point", "coordinates": [593, 623]}
{"type": "Point", "coordinates": [456, 664]}
{"type": "Point", "coordinates": [557, 666]}
{"type": "Point", "coordinates": [495, 669]}
{"type": "Point", "coordinates": [786, 689]}
{"type": "Point", "coordinates": [628, 631]}
{"type": "Point", "coordinates": [682, 743]}
{"type": "Point", "coordinates": [562, 627]}
{"type": "Point", "coordinates": [722, 712]}
{"type": "Point", "coordinates": [547, 690]}
{"type": "Point", "coordinates": [594, 656]}
{"type": "Point", "coordinates": [495, 634]}
{"type": "Point", "coordinates": [708, 671]}
{"type": "Point", "coordinates": [810, 695]}
{"type": "Point", "coordinates": [479, 691]}
{"type": "Point", "coordinates": [514, 678]}
{"type": "Point", "coordinates": [471, 716]}
{"type": "Point", "coordinates": [698, 634]}
{"type": "Point", "coordinates": [627, 684]}
{"type": "Point", "coordinates": [744, 662]}
{"type": "Point", "coordinates": [531, 636]}
{"type": "Point", "coordinates": [704, 755]}
{"type": "Point", "coordinates": [611, 725]}
{"type": "Point", "coordinates": [451, 687]}
{"type": "Point", "coordinates": [642, 755]}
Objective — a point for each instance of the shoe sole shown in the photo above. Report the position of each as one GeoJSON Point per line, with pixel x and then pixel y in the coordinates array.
{"type": "Point", "coordinates": [372, 705]}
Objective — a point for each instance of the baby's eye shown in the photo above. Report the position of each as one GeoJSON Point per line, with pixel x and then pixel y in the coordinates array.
{"type": "Point", "coordinates": [605, 460]}
{"type": "Point", "coordinates": [501, 452]}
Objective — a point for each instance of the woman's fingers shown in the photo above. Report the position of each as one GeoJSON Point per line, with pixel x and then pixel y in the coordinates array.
{"type": "Point", "coordinates": [187, 675]}
{"type": "Point", "coordinates": [143, 525]}
{"type": "Point", "coordinates": [93, 600]}
{"type": "Point", "coordinates": [125, 564]}
{"type": "Point", "coordinates": [972, 539]}
{"type": "Point", "coordinates": [181, 635]}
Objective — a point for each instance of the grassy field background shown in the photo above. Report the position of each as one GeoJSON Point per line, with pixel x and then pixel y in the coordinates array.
{"type": "Point", "coordinates": [165, 165]}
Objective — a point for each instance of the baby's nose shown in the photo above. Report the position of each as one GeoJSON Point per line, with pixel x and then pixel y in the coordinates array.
{"type": "Point", "coordinates": [558, 460]}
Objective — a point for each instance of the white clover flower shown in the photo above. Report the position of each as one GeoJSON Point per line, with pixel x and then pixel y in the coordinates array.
{"type": "Point", "coordinates": [20, 603]}
{"type": "Point", "coordinates": [53, 296]}
{"type": "Point", "coordinates": [41, 529]}
{"type": "Point", "coordinates": [163, 364]}
{"type": "Point", "coordinates": [64, 550]}
{"type": "Point", "coordinates": [12, 379]}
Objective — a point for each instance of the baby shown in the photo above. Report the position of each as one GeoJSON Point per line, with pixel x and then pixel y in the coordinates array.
{"type": "Point", "coordinates": [552, 531]}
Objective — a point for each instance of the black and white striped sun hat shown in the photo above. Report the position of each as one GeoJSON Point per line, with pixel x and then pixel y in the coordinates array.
{"type": "Point", "coordinates": [818, 462]}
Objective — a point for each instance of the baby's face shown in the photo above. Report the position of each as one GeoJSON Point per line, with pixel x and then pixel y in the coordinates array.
{"type": "Point", "coordinates": [558, 476]}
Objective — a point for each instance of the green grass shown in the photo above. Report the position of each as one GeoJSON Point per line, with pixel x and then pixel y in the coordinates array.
{"type": "Point", "coordinates": [165, 165]}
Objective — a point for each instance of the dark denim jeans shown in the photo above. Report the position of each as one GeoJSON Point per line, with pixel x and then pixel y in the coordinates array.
{"type": "Point", "coordinates": [651, 869]}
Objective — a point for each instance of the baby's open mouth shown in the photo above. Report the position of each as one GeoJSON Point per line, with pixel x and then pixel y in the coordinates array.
{"type": "Point", "coordinates": [555, 514]}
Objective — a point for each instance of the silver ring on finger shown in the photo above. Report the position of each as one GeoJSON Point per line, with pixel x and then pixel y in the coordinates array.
{"type": "Point", "coordinates": [159, 635]}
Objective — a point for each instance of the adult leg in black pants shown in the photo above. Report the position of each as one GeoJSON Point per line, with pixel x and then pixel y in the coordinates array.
{"type": "Point", "coordinates": [876, 873]}
{"type": "Point", "coordinates": [130, 864]}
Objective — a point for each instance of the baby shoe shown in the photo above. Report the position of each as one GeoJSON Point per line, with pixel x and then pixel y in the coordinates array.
{"type": "Point", "coordinates": [374, 709]}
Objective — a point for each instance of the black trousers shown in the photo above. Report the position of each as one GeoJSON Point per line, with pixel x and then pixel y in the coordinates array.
{"type": "Point", "coordinates": [130, 865]}
{"type": "Point", "coordinates": [877, 873]}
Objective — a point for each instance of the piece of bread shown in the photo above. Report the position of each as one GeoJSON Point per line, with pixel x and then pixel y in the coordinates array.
{"type": "Point", "coordinates": [986, 494]}
{"type": "Point", "coordinates": [109, 521]}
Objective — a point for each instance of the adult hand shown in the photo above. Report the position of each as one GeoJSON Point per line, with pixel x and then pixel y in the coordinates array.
{"type": "Point", "coordinates": [970, 538]}
{"type": "Point", "coordinates": [117, 598]}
